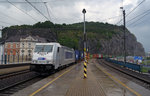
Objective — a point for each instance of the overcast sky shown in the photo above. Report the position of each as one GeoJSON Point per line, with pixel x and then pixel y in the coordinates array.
{"type": "Point", "coordinates": [70, 11]}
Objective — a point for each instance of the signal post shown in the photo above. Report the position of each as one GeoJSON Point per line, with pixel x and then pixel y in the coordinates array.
{"type": "Point", "coordinates": [85, 47]}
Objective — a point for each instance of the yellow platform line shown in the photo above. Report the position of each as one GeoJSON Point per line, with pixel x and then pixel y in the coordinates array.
{"type": "Point", "coordinates": [115, 79]}
{"type": "Point", "coordinates": [50, 82]}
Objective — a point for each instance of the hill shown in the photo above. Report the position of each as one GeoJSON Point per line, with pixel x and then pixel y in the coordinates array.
{"type": "Point", "coordinates": [101, 37]}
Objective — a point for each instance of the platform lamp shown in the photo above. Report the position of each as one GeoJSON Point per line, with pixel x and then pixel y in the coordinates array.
{"type": "Point", "coordinates": [85, 49]}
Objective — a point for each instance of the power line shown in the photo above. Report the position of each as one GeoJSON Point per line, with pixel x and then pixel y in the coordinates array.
{"type": "Point", "coordinates": [138, 16]}
{"type": "Point", "coordinates": [22, 10]}
{"type": "Point", "coordinates": [11, 17]}
{"type": "Point", "coordinates": [36, 9]}
{"type": "Point", "coordinates": [50, 10]}
{"type": "Point", "coordinates": [135, 8]}
{"type": "Point", "coordinates": [131, 11]}
{"type": "Point", "coordinates": [47, 11]}
{"type": "Point", "coordinates": [20, 2]}
{"type": "Point", "coordinates": [5, 22]}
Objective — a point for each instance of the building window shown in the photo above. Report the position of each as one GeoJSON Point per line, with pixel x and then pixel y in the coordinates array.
{"type": "Point", "coordinates": [29, 51]}
{"type": "Point", "coordinates": [17, 45]}
{"type": "Point", "coordinates": [6, 45]}
{"type": "Point", "coordinates": [22, 44]}
{"type": "Point", "coordinates": [29, 44]}
{"type": "Point", "coordinates": [11, 45]}
{"type": "Point", "coordinates": [11, 51]}
{"type": "Point", "coordinates": [22, 51]}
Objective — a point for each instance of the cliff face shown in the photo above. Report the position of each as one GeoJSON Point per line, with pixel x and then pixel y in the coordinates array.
{"type": "Point", "coordinates": [42, 32]}
{"type": "Point", "coordinates": [101, 38]}
{"type": "Point", "coordinates": [115, 45]}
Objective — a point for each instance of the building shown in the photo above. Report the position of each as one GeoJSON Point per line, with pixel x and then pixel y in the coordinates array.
{"type": "Point", "coordinates": [27, 44]}
{"type": "Point", "coordinates": [1, 53]}
{"type": "Point", "coordinates": [12, 47]}
{"type": "Point", "coordinates": [17, 47]}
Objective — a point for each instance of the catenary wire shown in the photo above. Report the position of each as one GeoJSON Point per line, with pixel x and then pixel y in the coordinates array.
{"type": "Point", "coordinates": [138, 16]}
{"type": "Point", "coordinates": [47, 11]}
{"type": "Point", "coordinates": [139, 19]}
{"type": "Point", "coordinates": [36, 9]}
{"type": "Point", "coordinates": [131, 11]}
{"type": "Point", "coordinates": [21, 10]}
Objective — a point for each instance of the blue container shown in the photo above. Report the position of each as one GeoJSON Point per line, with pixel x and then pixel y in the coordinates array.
{"type": "Point", "coordinates": [77, 55]}
{"type": "Point", "coordinates": [81, 55]}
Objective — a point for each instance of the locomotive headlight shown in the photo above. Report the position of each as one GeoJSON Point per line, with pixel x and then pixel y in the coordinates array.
{"type": "Point", "coordinates": [33, 61]}
{"type": "Point", "coordinates": [48, 62]}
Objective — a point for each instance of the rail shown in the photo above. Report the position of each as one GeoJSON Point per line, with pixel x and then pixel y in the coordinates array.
{"type": "Point", "coordinates": [13, 65]}
{"type": "Point", "coordinates": [13, 79]}
{"type": "Point", "coordinates": [142, 77]}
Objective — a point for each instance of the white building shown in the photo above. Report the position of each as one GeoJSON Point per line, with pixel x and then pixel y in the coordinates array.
{"type": "Point", "coordinates": [27, 44]}
{"type": "Point", "coordinates": [1, 53]}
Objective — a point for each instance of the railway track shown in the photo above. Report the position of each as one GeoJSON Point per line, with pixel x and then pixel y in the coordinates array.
{"type": "Point", "coordinates": [139, 78]}
{"type": "Point", "coordinates": [13, 65]}
{"type": "Point", "coordinates": [12, 79]}
{"type": "Point", "coordinates": [3, 76]}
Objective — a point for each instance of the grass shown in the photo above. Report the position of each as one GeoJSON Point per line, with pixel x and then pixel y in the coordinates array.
{"type": "Point", "coordinates": [145, 69]}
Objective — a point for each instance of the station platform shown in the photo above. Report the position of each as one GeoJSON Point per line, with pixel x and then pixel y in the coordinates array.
{"type": "Point", "coordinates": [13, 69]}
{"type": "Point", "coordinates": [70, 82]}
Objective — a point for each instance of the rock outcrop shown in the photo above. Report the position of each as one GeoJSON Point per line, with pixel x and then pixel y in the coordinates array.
{"type": "Point", "coordinates": [115, 45]}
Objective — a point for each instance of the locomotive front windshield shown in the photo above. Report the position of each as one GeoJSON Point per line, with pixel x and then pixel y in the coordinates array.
{"type": "Point", "coordinates": [43, 48]}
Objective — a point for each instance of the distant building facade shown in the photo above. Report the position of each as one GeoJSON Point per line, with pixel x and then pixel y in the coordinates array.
{"type": "Point", "coordinates": [21, 45]}
{"type": "Point", "coordinates": [1, 53]}
{"type": "Point", "coordinates": [12, 46]}
{"type": "Point", "coordinates": [27, 44]}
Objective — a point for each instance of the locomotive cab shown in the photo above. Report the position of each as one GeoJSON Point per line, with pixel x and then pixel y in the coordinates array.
{"type": "Point", "coordinates": [50, 56]}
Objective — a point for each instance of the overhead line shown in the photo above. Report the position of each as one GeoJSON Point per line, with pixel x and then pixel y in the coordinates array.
{"type": "Point", "coordinates": [135, 8]}
{"type": "Point", "coordinates": [131, 11]}
{"type": "Point", "coordinates": [20, 2]}
{"type": "Point", "coordinates": [22, 10]}
{"type": "Point", "coordinates": [36, 9]}
{"type": "Point", "coordinates": [139, 19]}
{"type": "Point", "coordinates": [138, 16]}
{"type": "Point", "coordinates": [10, 17]}
{"type": "Point", "coordinates": [47, 11]}
{"type": "Point", "coordinates": [50, 10]}
{"type": "Point", "coordinates": [6, 23]}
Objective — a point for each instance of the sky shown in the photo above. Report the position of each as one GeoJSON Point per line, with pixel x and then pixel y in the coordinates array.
{"type": "Point", "coordinates": [12, 12]}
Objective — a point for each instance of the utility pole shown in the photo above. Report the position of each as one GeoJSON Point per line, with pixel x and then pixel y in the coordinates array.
{"type": "Point", "coordinates": [85, 47]}
{"type": "Point", "coordinates": [124, 28]}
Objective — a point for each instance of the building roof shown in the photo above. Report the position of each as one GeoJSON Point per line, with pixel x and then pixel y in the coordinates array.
{"type": "Point", "coordinates": [17, 38]}
{"type": "Point", "coordinates": [13, 39]}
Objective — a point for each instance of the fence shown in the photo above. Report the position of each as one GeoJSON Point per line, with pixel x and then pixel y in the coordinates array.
{"type": "Point", "coordinates": [15, 59]}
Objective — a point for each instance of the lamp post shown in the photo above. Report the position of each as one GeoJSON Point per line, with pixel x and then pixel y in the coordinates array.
{"type": "Point", "coordinates": [124, 27]}
{"type": "Point", "coordinates": [85, 49]}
